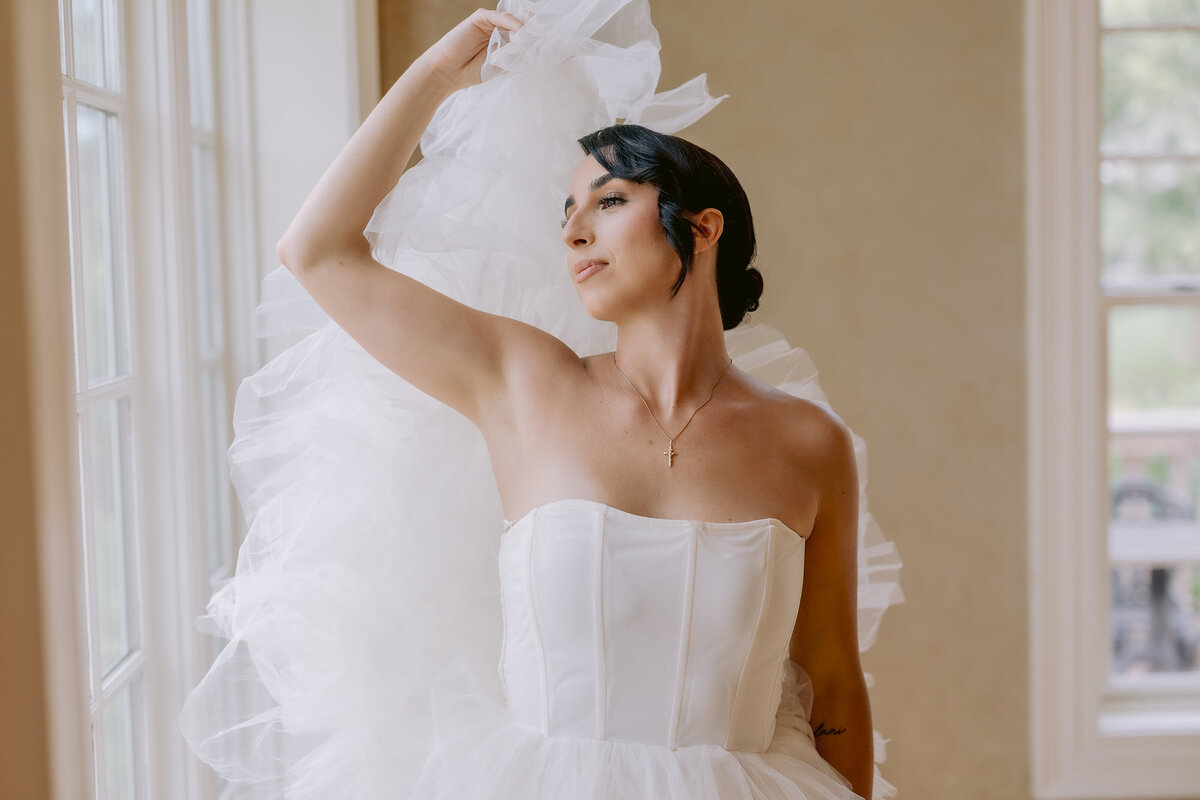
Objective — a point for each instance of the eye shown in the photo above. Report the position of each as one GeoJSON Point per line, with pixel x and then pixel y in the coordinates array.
{"type": "Point", "coordinates": [610, 200]}
{"type": "Point", "coordinates": [607, 201]}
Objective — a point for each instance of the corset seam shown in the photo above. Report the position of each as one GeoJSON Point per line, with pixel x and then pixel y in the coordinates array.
{"type": "Point", "coordinates": [503, 646]}
{"type": "Point", "coordinates": [768, 576]}
{"type": "Point", "coordinates": [685, 638]}
{"type": "Point", "coordinates": [776, 688]}
{"type": "Point", "coordinates": [601, 672]}
{"type": "Point", "coordinates": [537, 629]}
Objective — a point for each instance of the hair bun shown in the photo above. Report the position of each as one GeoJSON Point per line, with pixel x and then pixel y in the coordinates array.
{"type": "Point", "coordinates": [753, 281]}
{"type": "Point", "coordinates": [738, 294]}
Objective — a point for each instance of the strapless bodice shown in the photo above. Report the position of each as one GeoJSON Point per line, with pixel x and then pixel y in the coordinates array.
{"type": "Point", "coordinates": [639, 629]}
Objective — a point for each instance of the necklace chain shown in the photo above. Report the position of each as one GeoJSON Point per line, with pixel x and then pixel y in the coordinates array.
{"type": "Point", "coordinates": [671, 452]}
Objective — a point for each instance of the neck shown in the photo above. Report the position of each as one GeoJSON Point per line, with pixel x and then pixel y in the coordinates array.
{"type": "Point", "coordinates": [673, 361]}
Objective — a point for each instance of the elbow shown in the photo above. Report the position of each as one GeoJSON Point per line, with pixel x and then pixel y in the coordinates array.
{"type": "Point", "coordinates": [290, 255]}
{"type": "Point", "coordinates": [297, 255]}
{"type": "Point", "coordinates": [303, 256]}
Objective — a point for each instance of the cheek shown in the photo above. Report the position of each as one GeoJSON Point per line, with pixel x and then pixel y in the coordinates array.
{"type": "Point", "coordinates": [647, 232]}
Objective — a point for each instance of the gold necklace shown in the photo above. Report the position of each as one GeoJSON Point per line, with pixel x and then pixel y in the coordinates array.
{"type": "Point", "coordinates": [671, 452]}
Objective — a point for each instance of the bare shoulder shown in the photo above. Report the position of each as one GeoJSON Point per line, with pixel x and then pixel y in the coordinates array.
{"type": "Point", "coordinates": [811, 432]}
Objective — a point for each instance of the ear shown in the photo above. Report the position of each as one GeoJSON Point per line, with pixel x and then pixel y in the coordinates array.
{"type": "Point", "coordinates": [707, 226]}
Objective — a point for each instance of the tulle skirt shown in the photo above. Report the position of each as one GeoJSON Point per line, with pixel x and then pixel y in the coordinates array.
{"type": "Point", "coordinates": [479, 753]}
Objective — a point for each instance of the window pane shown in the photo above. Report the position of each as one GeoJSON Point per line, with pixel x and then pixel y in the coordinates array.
{"type": "Point", "coordinates": [1150, 220]}
{"type": "Point", "coordinates": [1149, 12]}
{"type": "Point", "coordinates": [1154, 483]}
{"type": "Point", "coordinates": [1154, 364]}
{"type": "Point", "coordinates": [200, 63]}
{"type": "Point", "coordinates": [1151, 95]}
{"type": "Point", "coordinates": [216, 481]}
{"type": "Point", "coordinates": [107, 481]}
{"type": "Point", "coordinates": [1156, 619]}
{"type": "Point", "coordinates": [121, 757]}
{"type": "Point", "coordinates": [1154, 546]}
{"type": "Point", "coordinates": [73, 225]}
{"type": "Point", "coordinates": [62, 38]}
{"type": "Point", "coordinates": [208, 249]}
{"type": "Point", "coordinates": [101, 248]}
{"type": "Point", "coordinates": [95, 33]}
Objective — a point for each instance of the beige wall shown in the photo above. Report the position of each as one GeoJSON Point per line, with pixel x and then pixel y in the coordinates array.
{"type": "Point", "coordinates": [24, 754]}
{"type": "Point", "coordinates": [882, 148]}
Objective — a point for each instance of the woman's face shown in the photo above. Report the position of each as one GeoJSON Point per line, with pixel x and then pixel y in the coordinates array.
{"type": "Point", "coordinates": [617, 253]}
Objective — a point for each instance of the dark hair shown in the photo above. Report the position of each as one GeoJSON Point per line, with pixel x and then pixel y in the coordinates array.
{"type": "Point", "coordinates": [689, 179]}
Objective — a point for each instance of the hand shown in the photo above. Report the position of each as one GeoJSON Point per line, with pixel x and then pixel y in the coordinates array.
{"type": "Point", "coordinates": [457, 57]}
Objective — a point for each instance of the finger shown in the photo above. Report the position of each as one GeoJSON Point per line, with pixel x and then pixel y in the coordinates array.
{"type": "Point", "coordinates": [509, 21]}
{"type": "Point", "coordinates": [499, 19]}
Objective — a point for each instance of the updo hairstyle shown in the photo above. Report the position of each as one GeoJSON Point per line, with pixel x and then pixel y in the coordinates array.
{"type": "Point", "coordinates": [689, 180]}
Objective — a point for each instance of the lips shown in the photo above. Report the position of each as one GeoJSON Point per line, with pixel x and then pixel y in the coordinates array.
{"type": "Point", "coordinates": [582, 269]}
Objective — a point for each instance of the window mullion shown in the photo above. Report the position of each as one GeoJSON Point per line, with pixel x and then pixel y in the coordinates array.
{"type": "Point", "coordinates": [109, 390]}
{"type": "Point", "coordinates": [1106, 29]}
{"type": "Point", "coordinates": [126, 673]}
{"type": "Point", "coordinates": [1148, 157]}
{"type": "Point", "coordinates": [1110, 300]}
{"type": "Point", "coordinates": [94, 96]}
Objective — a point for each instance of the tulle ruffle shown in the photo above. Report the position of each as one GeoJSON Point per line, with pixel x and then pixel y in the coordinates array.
{"type": "Point", "coordinates": [510, 761]}
{"type": "Point", "coordinates": [374, 520]}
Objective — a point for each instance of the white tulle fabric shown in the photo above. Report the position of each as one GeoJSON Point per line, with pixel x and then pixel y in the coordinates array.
{"type": "Point", "coordinates": [364, 623]}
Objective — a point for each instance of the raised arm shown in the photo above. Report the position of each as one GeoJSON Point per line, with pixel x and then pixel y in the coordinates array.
{"type": "Point", "coordinates": [457, 354]}
{"type": "Point", "coordinates": [825, 639]}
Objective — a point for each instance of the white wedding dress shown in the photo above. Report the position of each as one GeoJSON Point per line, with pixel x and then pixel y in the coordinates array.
{"type": "Point", "coordinates": [386, 637]}
{"type": "Point", "coordinates": [642, 658]}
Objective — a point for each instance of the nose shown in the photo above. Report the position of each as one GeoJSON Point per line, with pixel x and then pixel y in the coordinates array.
{"type": "Point", "coordinates": [575, 232]}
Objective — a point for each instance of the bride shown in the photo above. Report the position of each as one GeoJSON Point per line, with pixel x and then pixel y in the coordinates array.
{"type": "Point", "coordinates": [660, 431]}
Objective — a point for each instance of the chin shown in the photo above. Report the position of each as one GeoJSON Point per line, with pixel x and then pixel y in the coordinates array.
{"type": "Point", "coordinates": [597, 306]}
{"type": "Point", "coordinates": [598, 312]}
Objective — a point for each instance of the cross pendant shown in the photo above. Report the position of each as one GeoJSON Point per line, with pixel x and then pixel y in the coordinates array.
{"type": "Point", "coordinates": [670, 452]}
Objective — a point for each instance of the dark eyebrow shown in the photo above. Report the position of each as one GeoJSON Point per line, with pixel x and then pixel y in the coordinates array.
{"type": "Point", "coordinates": [593, 186]}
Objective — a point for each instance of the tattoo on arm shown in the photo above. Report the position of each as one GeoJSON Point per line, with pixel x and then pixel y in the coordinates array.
{"type": "Point", "coordinates": [821, 730]}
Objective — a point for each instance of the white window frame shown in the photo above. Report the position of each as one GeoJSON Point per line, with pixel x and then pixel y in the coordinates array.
{"type": "Point", "coordinates": [1087, 741]}
{"type": "Point", "coordinates": [167, 494]}
{"type": "Point", "coordinates": [251, 36]}
{"type": "Point", "coordinates": [168, 505]}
